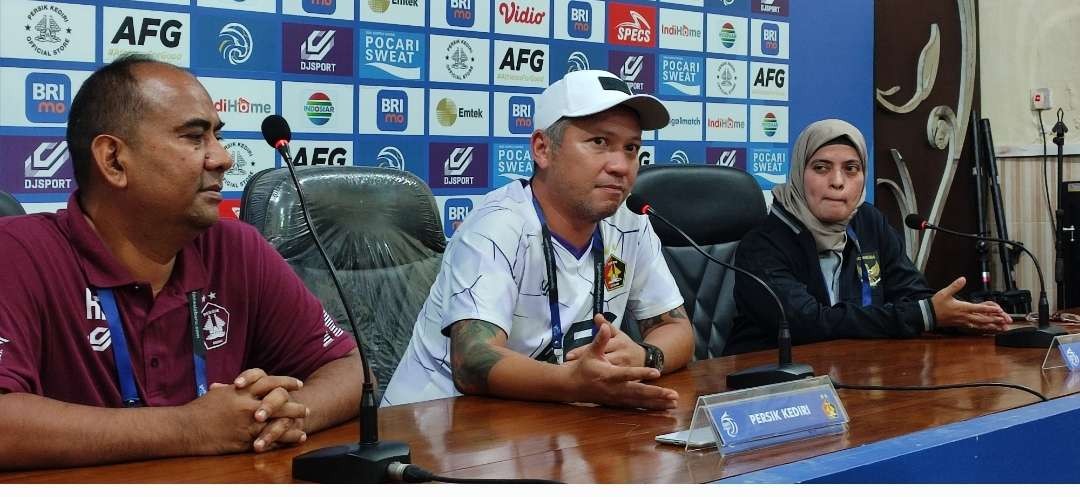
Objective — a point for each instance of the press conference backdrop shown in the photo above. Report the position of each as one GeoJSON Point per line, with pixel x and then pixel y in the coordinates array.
{"type": "Point", "coordinates": [441, 88]}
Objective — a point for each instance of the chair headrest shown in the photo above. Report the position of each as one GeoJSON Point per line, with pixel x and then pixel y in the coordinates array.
{"type": "Point", "coordinates": [9, 206]}
{"type": "Point", "coordinates": [712, 204]}
{"type": "Point", "coordinates": [374, 217]}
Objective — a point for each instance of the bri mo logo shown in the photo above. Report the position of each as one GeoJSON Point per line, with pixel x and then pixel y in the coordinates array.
{"type": "Point", "coordinates": [461, 13]}
{"type": "Point", "coordinates": [393, 114]}
{"type": "Point", "coordinates": [521, 115]}
{"type": "Point", "coordinates": [455, 211]}
{"type": "Point", "coordinates": [770, 39]}
{"type": "Point", "coordinates": [48, 96]}
{"type": "Point", "coordinates": [325, 7]}
{"type": "Point", "coordinates": [579, 20]}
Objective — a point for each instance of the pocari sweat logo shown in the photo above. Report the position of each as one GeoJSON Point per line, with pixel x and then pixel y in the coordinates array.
{"type": "Point", "coordinates": [461, 13]}
{"type": "Point", "coordinates": [48, 96]}
{"type": "Point", "coordinates": [521, 115]}
{"type": "Point", "coordinates": [579, 20]}
{"type": "Point", "coordinates": [681, 75]}
{"type": "Point", "coordinates": [391, 55]}
{"type": "Point", "coordinates": [769, 166]}
{"type": "Point", "coordinates": [454, 213]}
{"type": "Point", "coordinates": [513, 162]}
{"type": "Point", "coordinates": [393, 110]}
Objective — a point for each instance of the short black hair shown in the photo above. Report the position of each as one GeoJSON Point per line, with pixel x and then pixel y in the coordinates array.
{"type": "Point", "coordinates": [107, 103]}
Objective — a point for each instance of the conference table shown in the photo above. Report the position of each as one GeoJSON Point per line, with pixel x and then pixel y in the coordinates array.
{"type": "Point", "coordinates": [484, 437]}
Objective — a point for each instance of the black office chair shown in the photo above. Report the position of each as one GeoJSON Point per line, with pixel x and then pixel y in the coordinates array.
{"type": "Point", "coordinates": [716, 206]}
{"type": "Point", "coordinates": [9, 206]}
{"type": "Point", "coordinates": [382, 231]}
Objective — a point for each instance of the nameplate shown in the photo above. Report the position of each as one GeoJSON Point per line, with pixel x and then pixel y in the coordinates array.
{"type": "Point", "coordinates": [1068, 353]}
{"type": "Point", "coordinates": [772, 414]}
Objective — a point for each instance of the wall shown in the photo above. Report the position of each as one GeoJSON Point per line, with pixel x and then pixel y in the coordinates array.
{"type": "Point", "coordinates": [1025, 44]}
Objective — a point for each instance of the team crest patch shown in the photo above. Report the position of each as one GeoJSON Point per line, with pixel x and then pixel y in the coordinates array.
{"type": "Point", "coordinates": [870, 262]}
{"type": "Point", "coordinates": [215, 326]}
{"type": "Point", "coordinates": [614, 273]}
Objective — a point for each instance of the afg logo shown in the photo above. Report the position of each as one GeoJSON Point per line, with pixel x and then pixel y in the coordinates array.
{"type": "Point", "coordinates": [319, 108]}
{"type": "Point", "coordinates": [631, 25]}
{"type": "Point", "coordinates": [393, 110]}
{"type": "Point", "coordinates": [770, 39]}
{"type": "Point", "coordinates": [521, 115]}
{"type": "Point", "coordinates": [579, 21]}
{"type": "Point", "coordinates": [726, 157]}
{"type": "Point", "coordinates": [324, 7]}
{"type": "Point", "coordinates": [461, 13]}
{"type": "Point", "coordinates": [769, 167]}
{"type": "Point", "coordinates": [769, 124]}
{"type": "Point", "coordinates": [454, 213]}
{"type": "Point", "coordinates": [48, 96]}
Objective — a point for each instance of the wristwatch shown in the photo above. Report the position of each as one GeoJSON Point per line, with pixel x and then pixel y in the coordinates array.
{"type": "Point", "coordinates": [654, 357]}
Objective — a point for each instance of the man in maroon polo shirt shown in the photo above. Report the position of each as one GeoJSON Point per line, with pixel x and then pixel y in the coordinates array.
{"type": "Point", "coordinates": [137, 296]}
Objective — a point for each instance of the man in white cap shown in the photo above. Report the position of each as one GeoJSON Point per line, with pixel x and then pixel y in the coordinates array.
{"type": "Point", "coordinates": [535, 283]}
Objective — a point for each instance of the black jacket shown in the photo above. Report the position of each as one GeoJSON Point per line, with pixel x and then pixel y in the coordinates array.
{"type": "Point", "coordinates": [783, 254]}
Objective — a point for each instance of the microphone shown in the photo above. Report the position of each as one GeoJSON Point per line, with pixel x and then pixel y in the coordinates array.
{"type": "Point", "coordinates": [367, 461]}
{"type": "Point", "coordinates": [767, 374]}
{"type": "Point", "coordinates": [1026, 336]}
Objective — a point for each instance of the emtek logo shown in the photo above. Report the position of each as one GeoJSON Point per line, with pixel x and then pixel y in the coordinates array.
{"type": "Point", "coordinates": [521, 115]}
{"type": "Point", "coordinates": [461, 13]}
{"type": "Point", "coordinates": [770, 39]}
{"type": "Point", "coordinates": [48, 96]}
{"type": "Point", "coordinates": [325, 7]}
{"type": "Point", "coordinates": [579, 20]}
{"type": "Point", "coordinates": [454, 214]}
{"type": "Point", "coordinates": [393, 110]}
{"type": "Point", "coordinates": [319, 108]}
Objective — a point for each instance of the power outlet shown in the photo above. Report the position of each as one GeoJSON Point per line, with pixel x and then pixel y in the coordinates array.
{"type": "Point", "coordinates": [1040, 99]}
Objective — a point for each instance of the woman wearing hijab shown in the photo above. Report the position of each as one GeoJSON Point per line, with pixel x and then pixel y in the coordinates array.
{"type": "Point", "coordinates": [836, 264]}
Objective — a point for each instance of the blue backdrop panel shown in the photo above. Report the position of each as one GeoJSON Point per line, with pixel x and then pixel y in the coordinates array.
{"type": "Point", "coordinates": [442, 88]}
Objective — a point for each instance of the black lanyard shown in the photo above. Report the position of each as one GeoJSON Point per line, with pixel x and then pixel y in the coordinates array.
{"type": "Point", "coordinates": [553, 286]}
{"type": "Point", "coordinates": [122, 356]}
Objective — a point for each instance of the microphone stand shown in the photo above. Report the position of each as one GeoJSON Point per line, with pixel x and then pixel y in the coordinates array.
{"type": "Point", "coordinates": [767, 374]}
{"type": "Point", "coordinates": [368, 460]}
{"type": "Point", "coordinates": [1026, 336]}
{"type": "Point", "coordinates": [1059, 214]}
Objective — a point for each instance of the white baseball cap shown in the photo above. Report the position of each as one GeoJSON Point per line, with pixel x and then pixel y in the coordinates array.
{"type": "Point", "coordinates": [583, 93]}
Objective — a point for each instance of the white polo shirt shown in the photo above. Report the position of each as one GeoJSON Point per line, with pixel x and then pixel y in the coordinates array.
{"type": "Point", "coordinates": [494, 270]}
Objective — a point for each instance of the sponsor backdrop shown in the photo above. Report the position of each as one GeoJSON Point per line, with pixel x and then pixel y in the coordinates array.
{"type": "Point", "coordinates": [441, 88]}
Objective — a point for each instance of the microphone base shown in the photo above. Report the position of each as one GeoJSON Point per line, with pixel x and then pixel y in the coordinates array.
{"type": "Point", "coordinates": [767, 375]}
{"type": "Point", "coordinates": [1029, 337]}
{"type": "Point", "coordinates": [355, 463]}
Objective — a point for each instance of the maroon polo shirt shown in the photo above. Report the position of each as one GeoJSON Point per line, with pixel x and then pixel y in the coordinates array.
{"type": "Point", "coordinates": [54, 339]}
